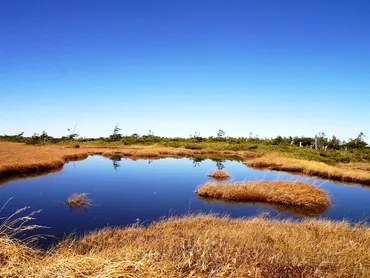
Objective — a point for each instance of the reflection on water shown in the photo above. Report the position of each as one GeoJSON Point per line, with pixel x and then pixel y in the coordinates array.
{"type": "Point", "coordinates": [116, 162]}
{"type": "Point", "coordinates": [220, 164]}
{"type": "Point", "coordinates": [286, 209]}
{"type": "Point", "coordinates": [124, 190]}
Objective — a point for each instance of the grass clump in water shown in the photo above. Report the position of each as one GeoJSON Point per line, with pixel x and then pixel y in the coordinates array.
{"type": "Point", "coordinates": [219, 174]}
{"type": "Point", "coordinates": [288, 193]}
{"type": "Point", "coordinates": [78, 200]}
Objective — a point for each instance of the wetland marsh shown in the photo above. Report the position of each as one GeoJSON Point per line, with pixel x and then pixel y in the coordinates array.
{"type": "Point", "coordinates": [125, 191]}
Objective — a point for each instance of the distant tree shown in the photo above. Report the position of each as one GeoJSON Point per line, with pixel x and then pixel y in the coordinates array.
{"type": "Point", "coordinates": [116, 136]}
{"type": "Point", "coordinates": [334, 143]}
{"type": "Point", "coordinates": [359, 142]}
{"type": "Point", "coordinates": [196, 137]}
{"type": "Point", "coordinates": [72, 134]}
{"type": "Point", "coordinates": [43, 138]}
{"type": "Point", "coordinates": [320, 140]}
{"type": "Point", "coordinates": [361, 137]}
{"type": "Point", "coordinates": [220, 134]}
{"type": "Point", "coordinates": [278, 140]}
{"type": "Point", "coordinates": [321, 135]}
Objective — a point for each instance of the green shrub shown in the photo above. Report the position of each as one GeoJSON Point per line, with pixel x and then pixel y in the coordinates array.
{"type": "Point", "coordinates": [193, 147]}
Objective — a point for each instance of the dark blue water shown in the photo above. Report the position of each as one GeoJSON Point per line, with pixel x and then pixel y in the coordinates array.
{"type": "Point", "coordinates": [125, 191]}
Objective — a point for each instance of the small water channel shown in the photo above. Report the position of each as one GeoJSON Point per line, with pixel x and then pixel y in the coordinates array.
{"type": "Point", "coordinates": [125, 191]}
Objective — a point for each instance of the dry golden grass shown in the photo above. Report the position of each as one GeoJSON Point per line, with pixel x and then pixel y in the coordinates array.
{"type": "Point", "coordinates": [219, 174]}
{"type": "Point", "coordinates": [310, 168]}
{"type": "Point", "coordinates": [20, 158]}
{"type": "Point", "coordinates": [356, 166]}
{"type": "Point", "coordinates": [78, 200]}
{"type": "Point", "coordinates": [201, 246]}
{"type": "Point", "coordinates": [288, 193]}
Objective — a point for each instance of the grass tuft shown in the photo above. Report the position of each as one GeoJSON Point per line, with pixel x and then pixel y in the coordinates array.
{"type": "Point", "coordinates": [78, 200]}
{"type": "Point", "coordinates": [219, 174]}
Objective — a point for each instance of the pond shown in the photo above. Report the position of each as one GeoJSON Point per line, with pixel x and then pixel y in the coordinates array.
{"type": "Point", "coordinates": [125, 191]}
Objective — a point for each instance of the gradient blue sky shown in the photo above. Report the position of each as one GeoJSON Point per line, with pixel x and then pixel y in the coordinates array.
{"type": "Point", "coordinates": [179, 67]}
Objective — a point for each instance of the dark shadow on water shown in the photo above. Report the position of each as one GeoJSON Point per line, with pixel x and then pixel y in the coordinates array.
{"type": "Point", "coordinates": [5, 178]}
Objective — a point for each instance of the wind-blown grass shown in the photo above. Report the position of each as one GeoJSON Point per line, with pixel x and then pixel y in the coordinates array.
{"type": "Point", "coordinates": [16, 245]}
{"type": "Point", "coordinates": [201, 246]}
{"type": "Point", "coordinates": [287, 193]}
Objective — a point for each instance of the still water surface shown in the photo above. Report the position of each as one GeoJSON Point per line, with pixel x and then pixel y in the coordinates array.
{"type": "Point", "coordinates": [125, 191]}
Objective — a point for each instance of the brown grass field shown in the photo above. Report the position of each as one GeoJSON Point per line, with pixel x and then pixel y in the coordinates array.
{"type": "Point", "coordinates": [288, 193]}
{"type": "Point", "coordinates": [200, 246]}
{"type": "Point", "coordinates": [219, 174]}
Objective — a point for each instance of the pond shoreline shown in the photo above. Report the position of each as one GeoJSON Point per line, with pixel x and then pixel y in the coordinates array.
{"type": "Point", "coordinates": [18, 160]}
{"type": "Point", "coordinates": [213, 244]}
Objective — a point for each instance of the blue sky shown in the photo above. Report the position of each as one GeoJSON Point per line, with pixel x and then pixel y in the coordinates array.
{"type": "Point", "coordinates": [179, 67]}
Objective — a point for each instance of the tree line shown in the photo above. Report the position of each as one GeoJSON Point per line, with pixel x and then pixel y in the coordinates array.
{"type": "Point", "coordinates": [320, 141]}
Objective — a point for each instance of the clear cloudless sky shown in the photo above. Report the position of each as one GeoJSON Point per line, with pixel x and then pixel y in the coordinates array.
{"type": "Point", "coordinates": [179, 67]}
